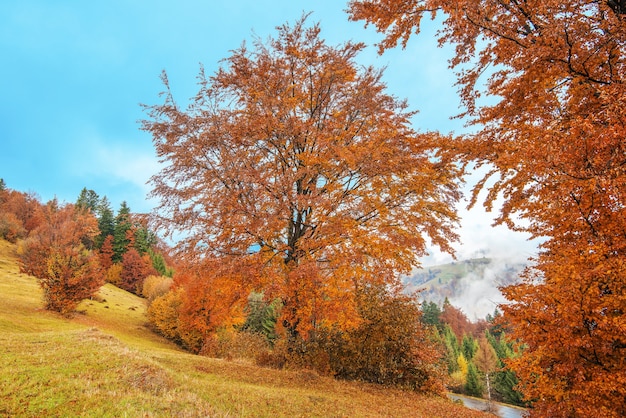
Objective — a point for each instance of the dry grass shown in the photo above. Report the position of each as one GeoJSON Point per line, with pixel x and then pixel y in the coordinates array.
{"type": "Point", "coordinates": [106, 362]}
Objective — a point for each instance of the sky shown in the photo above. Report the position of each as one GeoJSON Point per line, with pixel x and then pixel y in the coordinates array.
{"type": "Point", "coordinates": [75, 73]}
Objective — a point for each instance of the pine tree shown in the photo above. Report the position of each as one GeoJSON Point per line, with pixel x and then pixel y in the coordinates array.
{"type": "Point", "coordinates": [452, 349]}
{"type": "Point", "coordinates": [120, 238]}
{"type": "Point", "coordinates": [88, 199]}
{"type": "Point", "coordinates": [431, 313]}
{"type": "Point", "coordinates": [473, 385]}
{"type": "Point", "coordinates": [469, 346]}
{"type": "Point", "coordinates": [144, 239]}
{"type": "Point", "coordinates": [106, 221]}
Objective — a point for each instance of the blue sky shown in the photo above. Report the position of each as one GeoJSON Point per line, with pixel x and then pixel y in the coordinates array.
{"type": "Point", "coordinates": [74, 73]}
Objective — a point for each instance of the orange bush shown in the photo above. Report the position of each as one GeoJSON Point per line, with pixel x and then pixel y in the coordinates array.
{"type": "Point", "coordinates": [156, 286]}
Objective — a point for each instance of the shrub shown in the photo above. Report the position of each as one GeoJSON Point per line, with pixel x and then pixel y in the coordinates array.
{"type": "Point", "coordinates": [113, 274]}
{"type": "Point", "coordinates": [11, 228]}
{"type": "Point", "coordinates": [155, 286]}
{"type": "Point", "coordinates": [164, 316]}
{"type": "Point", "coordinates": [391, 346]}
{"type": "Point", "coordinates": [230, 344]}
{"type": "Point", "coordinates": [275, 358]}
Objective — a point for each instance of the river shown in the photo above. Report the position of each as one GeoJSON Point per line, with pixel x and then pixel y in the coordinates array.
{"type": "Point", "coordinates": [500, 409]}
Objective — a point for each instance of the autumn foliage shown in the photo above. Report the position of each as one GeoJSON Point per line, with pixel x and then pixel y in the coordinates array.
{"type": "Point", "coordinates": [135, 268]}
{"type": "Point", "coordinates": [295, 170]}
{"type": "Point", "coordinates": [20, 213]}
{"type": "Point", "coordinates": [554, 145]}
{"type": "Point", "coordinates": [390, 346]}
{"type": "Point", "coordinates": [55, 254]}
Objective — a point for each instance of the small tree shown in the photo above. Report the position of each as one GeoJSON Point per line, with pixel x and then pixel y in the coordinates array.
{"type": "Point", "coordinates": [106, 253]}
{"type": "Point", "coordinates": [54, 253]}
{"type": "Point", "coordinates": [431, 313]}
{"type": "Point", "coordinates": [135, 269]}
{"type": "Point", "coordinates": [486, 360]}
{"type": "Point", "coordinates": [120, 232]}
{"type": "Point", "coordinates": [106, 221]}
{"type": "Point", "coordinates": [262, 316]}
{"type": "Point", "coordinates": [473, 385]}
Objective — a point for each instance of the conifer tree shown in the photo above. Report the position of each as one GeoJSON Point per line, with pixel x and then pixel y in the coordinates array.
{"type": "Point", "coordinates": [122, 226]}
{"type": "Point", "coordinates": [473, 385]}
{"type": "Point", "coordinates": [88, 199]}
{"type": "Point", "coordinates": [106, 221]}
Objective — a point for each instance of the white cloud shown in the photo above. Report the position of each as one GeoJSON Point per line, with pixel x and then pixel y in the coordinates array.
{"type": "Point", "coordinates": [480, 238]}
{"type": "Point", "coordinates": [121, 168]}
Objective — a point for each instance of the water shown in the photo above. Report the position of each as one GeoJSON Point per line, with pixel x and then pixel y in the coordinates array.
{"type": "Point", "coordinates": [501, 410]}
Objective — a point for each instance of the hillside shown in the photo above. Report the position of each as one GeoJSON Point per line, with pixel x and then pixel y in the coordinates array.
{"type": "Point", "coordinates": [471, 285]}
{"type": "Point", "coordinates": [106, 362]}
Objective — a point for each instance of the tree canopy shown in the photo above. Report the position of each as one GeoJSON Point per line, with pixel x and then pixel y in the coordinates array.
{"type": "Point", "coordinates": [293, 163]}
{"type": "Point", "coordinates": [554, 145]}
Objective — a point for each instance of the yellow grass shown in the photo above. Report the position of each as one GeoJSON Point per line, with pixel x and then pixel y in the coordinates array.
{"type": "Point", "coordinates": [105, 361]}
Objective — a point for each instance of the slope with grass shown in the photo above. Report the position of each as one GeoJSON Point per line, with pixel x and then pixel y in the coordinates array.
{"type": "Point", "coordinates": [104, 361]}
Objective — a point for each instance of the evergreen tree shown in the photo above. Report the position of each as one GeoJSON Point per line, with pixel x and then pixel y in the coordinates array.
{"type": "Point", "coordinates": [431, 313]}
{"type": "Point", "coordinates": [106, 221]}
{"type": "Point", "coordinates": [88, 199]}
{"type": "Point", "coordinates": [262, 316]}
{"type": "Point", "coordinates": [473, 385]}
{"type": "Point", "coordinates": [452, 349]}
{"type": "Point", "coordinates": [469, 346]}
{"type": "Point", "coordinates": [144, 239]}
{"type": "Point", "coordinates": [159, 264]}
{"type": "Point", "coordinates": [120, 237]}
{"type": "Point", "coordinates": [495, 326]}
{"type": "Point", "coordinates": [504, 383]}
{"type": "Point", "coordinates": [504, 380]}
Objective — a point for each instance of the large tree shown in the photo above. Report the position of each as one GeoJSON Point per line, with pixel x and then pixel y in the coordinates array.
{"type": "Point", "coordinates": [293, 162]}
{"type": "Point", "coordinates": [555, 145]}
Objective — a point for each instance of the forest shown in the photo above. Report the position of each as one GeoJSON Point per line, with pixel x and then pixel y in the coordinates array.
{"type": "Point", "coordinates": [299, 193]}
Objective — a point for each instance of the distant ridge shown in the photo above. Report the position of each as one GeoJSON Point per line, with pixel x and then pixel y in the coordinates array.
{"type": "Point", "coordinates": [471, 285]}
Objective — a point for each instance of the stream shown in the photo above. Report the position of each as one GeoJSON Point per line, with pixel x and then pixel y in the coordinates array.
{"type": "Point", "coordinates": [500, 409]}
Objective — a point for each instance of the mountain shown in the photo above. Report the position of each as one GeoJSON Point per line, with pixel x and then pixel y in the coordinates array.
{"type": "Point", "coordinates": [471, 285]}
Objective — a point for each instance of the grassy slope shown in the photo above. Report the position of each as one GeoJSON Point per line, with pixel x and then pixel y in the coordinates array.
{"type": "Point", "coordinates": [105, 362]}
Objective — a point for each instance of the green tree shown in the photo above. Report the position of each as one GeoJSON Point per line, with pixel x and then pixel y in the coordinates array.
{"type": "Point", "coordinates": [473, 385]}
{"type": "Point", "coordinates": [106, 221]}
{"type": "Point", "coordinates": [452, 348]}
{"type": "Point", "coordinates": [88, 199]}
{"type": "Point", "coordinates": [469, 346]}
{"type": "Point", "coordinates": [505, 380]}
{"type": "Point", "coordinates": [144, 239]}
{"type": "Point", "coordinates": [159, 264]}
{"type": "Point", "coordinates": [262, 316]}
{"type": "Point", "coordinates": [431, 314]}
{"type": "Point", "coordinates": [120, 237]}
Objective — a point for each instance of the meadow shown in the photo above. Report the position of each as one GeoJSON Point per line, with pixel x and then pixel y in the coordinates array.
{"type": "Point", "coordinates": [104, 360]}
